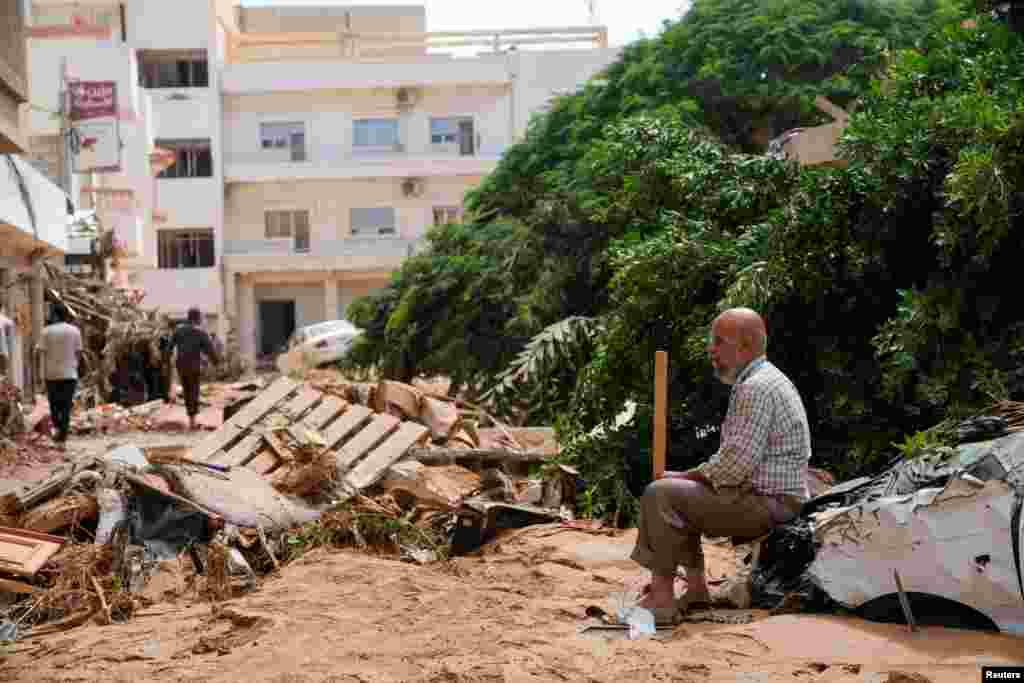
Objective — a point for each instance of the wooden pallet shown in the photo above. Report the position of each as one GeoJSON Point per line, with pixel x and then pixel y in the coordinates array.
{"type": "Point", "coordinates": [365, 444]}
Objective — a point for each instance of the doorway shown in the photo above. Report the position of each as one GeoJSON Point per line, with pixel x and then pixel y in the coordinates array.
{"type": "Point", "coordinates": [277, 323]}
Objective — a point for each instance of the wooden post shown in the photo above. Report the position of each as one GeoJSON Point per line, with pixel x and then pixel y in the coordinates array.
{"type": "Point", "coordinates": [660, 410]}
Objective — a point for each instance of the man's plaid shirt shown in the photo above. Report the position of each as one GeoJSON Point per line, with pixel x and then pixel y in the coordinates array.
{"type": "Point", "coordinates": [765, 438]}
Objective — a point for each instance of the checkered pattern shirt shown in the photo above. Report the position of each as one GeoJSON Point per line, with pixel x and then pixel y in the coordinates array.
{"type": "Point", "coordinates": [765, 439]}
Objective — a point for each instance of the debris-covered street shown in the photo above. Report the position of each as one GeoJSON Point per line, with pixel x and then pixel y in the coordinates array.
{"type": "Point", "coordinates": [334, 530]}
{"type": "Point", "coordinates": [511, 614]}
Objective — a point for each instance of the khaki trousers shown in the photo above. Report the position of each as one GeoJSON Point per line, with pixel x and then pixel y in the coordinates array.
{"type": "Point", "coordinates": [674, 513]}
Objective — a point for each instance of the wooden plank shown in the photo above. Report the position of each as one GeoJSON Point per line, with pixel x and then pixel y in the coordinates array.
{"type": "Point", "coordinates": [349, 422]}
{"type": "Point", "coordinates": [372, 468]}
{"type": "Point", "coordinates": [329, 408]}
{"type": "Point", "coordinates": [23, 552]}
{"type": "Point", "coordinates": [242, 453]}
{"type": "Point", "coordinates": [264, 463]}
{"type": "Point", "coordinates": [451, 456]}
{"type": "Point", "coordinates": [365, 441]}
{"type": "Point", "coordinates": [20, 587]}
{"type": "Point", "coordinates": [243, 419]}
{"type": "Point", "coordinates": [302, 402]}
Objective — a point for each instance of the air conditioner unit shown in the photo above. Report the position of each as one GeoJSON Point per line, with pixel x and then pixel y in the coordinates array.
{"type": "Point", "coordinates": [412, 187]}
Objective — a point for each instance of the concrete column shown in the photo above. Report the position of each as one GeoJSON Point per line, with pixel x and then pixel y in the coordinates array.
{"type": "Point", "coordinates": [331, 311]}
{"type": "Point", "coordinates": [246, 318]}
{"type": "Point", "coordinates": [229, 306]}
{"type": "Point", "coordinates": [36, 301]}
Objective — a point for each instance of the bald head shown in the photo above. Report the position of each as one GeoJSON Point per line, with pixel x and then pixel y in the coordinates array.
{"type": "Point", "coordinates": [748, 327]}
{"type": "Point", "coordinates": [738, 336]}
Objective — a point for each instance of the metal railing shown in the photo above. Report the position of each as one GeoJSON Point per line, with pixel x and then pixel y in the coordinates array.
{"type": "Point", "coordinates": [255, 47]}
{"type": "Point", "coordinates": [373, 247]}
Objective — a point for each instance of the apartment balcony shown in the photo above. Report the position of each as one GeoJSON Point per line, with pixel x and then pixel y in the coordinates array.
{"type": "Point", "coordinates": [361, 254]}
{"type": "Point", "coordinates": [326, 163]}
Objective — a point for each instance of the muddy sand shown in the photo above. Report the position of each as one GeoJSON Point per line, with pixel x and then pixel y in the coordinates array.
{"type": "Point", "coordinates": [510, 615]}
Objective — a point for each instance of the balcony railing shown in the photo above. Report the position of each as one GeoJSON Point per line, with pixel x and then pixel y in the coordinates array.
{"type": "Point", "coordinates": [13, 61]}
{"type": "Point", "coordinates": [372, 247]}
{"type": "Point", "coordinates": [74, 19]}
{"type": "Point", "coordinates": [256, 47]}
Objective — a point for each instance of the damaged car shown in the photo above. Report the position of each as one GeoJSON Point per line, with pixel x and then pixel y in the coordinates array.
{"type": "Point", "coordinates": [934, 540]}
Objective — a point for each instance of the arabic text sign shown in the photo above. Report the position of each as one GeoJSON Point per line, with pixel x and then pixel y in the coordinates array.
{"type": "Point", "coordinates": [94, 117]}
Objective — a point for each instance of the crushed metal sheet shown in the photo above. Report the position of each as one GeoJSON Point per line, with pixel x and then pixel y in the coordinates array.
{"type": "Point", "coordinates": [950, 525]}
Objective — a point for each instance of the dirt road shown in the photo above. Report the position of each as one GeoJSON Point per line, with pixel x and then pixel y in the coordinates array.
{"type": "Point", "coordinates": [510, 615]}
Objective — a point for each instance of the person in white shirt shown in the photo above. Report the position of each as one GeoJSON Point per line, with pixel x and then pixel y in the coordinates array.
{"type": "Point", "coordinates": [61, 346]}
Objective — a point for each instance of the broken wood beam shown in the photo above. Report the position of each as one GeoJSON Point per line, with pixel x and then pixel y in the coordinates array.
{"type": "Point", "coordinates": [450, 456]}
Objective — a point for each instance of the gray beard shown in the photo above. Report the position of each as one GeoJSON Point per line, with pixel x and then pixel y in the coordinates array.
{"type": "Point", "coordinates": [726, 376]}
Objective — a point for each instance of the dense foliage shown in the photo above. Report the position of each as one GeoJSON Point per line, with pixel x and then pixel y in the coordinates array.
{"type": "Point", "coordinates": [633, 204]}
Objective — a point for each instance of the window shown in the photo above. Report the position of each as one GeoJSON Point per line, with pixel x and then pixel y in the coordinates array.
{"type": "Point", "coordinates": [377, 221]}
{"type": "Point", "coordinates": [173, 69]}
{"type": "Point", "coordinates": [443, 215]}
{"type": "Point", "coordinates": [454, 131]}
{"type": "Point", "coordinates": [192, 159]}
{"type": "Point", "coordinates": [185, 248]}
{"type": "Point", "coordinates": [290, 136]}
{"type": "Point", "coordinates": [375, 133]}
{"type": "Point", "coordinates": [284, 224]}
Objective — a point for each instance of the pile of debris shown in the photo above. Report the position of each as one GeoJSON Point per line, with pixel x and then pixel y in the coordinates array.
{"type": "Point", "coordinates": [935, 539]}
{"type": "Point", "coordinates": [120, 338]}
{"type": "Point", "coordinates": [236, 504]}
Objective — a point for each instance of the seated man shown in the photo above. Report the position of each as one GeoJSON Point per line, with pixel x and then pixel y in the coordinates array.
{"type": "Point", "coordinates": [756, 480]}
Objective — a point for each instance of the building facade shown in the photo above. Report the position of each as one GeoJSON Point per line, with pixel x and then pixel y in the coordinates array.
{"type": "Point", "coordinates": [309, 148]}
{"type": "Point", "coordinates": [33, 212]}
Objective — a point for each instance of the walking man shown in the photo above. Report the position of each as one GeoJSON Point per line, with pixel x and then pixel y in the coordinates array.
{"type": "Point", "coordinates": [61, 345]}
{"type": "Point", "coordinates": [756, 481]}
{"type": "Point", "coordinates": [192, 343]}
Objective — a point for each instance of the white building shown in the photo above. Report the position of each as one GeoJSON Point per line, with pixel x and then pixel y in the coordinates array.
{"type": "Point", "coordinates": [33, 214]}
{"type": "Point", "coordinates": [312, 146]}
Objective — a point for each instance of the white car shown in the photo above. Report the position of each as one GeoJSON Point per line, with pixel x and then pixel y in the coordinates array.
{"type": "Point", "coordinates": [318, 344]}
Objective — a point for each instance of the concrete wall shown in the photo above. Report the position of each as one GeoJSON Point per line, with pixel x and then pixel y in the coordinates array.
{"type": "Point", "coordinates": [362, 19]}
{"type": "Point", "coordinates": [176, 290]}
{"type": "Point", "coordinates": [178, 25]}
{"type": "Point", "coordinates": [541, 74]}
{"type": "Point", "coordinates": [189, 202]}
{"type": "Point", "coordinates": [174, 117]}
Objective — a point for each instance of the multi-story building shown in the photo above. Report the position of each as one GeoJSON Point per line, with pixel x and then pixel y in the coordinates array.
{"type": "Point", "coordinates": [33, 211]}
{"type": "Point", "coordinates": [312, 147]}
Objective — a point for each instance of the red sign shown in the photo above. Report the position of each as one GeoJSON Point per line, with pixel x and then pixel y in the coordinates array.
{"type": "Point", "coordinates": [94, 115]}
{"type": "Point", "coordinates": [93, 99]}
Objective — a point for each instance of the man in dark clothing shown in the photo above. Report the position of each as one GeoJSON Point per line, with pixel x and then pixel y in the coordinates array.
{"type": "Point", "coordinates": [166, 367]}
{"type": "Point", "coordinates": [192, 343]}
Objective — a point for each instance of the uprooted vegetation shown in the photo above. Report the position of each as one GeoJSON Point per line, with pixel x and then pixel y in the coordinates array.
{"type": "Point", "coordinates": [637, 208]}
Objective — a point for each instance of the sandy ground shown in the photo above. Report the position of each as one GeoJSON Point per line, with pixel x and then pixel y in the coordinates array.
{"type": "Point", "coordinates": [511, 615]}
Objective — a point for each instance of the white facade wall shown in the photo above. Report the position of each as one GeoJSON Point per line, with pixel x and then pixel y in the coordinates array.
{"type": "Point", "coordinates": [174, 291]}
{"type": "Point", "coordinates": [184, 112]}
{"type": "Point", "coordinates": [539, 75]}
{"type": "Point", "coordinates": [163, 25]}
